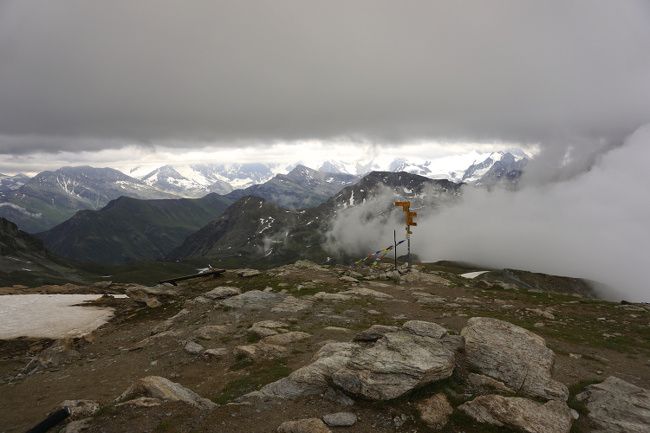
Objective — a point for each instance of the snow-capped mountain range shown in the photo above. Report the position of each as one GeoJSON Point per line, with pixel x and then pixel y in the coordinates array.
{"type": "Point", "coordinates": [196, 180]}
{"type": "Point", "coordinates": [51, 197]}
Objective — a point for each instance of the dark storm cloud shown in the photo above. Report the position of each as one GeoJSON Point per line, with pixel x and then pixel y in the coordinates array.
{"type": "Point", "coordinates": [283, 70]}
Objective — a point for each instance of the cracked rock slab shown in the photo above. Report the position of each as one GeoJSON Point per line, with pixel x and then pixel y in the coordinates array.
{"type": "Point", "coordinates": [513, 355]}
{"type": "Point", "coordinates": [398, 363]}
{"type": "Point", "coordinates": [520, 413]}
{"type": "Point", "coordinates": [618, 406]}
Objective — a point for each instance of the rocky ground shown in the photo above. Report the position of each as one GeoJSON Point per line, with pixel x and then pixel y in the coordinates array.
{"type": "Point", "coordinates": [285, 349]}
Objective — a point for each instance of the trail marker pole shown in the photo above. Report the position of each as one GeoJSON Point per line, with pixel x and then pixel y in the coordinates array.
{"type": "Point", "coordinates": [395, 243]}
{"type": "Point", "coordinates": [409, 222]}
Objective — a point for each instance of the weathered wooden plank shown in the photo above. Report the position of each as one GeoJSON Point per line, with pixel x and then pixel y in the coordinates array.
{"type": "Point", "coordinates": [213, 272]}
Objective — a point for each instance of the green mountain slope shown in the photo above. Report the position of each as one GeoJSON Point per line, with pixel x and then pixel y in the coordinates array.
{"type": "Point", "coordinates": [25, 260]}
{"type": "Point", "coordinates": [52, 197]}
{"type": "Point", "coordinates": [129, 229]}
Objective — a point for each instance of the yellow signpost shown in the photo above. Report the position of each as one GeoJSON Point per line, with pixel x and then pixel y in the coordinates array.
{"type": "Point", "coordinates": [406, 205]}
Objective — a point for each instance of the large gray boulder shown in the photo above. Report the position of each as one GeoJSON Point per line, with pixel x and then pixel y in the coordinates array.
{"type": "Point", "coordinates": [513, 355]}
{"type": "Point", "coordinates": [520, 413]}
{"type": "Point", "coordinates": [398, 363]}
{"type": "Point", "coordinates": [160, 388]}
{"type": "Point", "coordinates": [617, 406]}
{"type": "Point", "coordinates": [151, 296]}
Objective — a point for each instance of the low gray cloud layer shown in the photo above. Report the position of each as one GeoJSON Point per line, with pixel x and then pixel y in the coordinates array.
{"type": "Point", "coordinates": [228, 72]}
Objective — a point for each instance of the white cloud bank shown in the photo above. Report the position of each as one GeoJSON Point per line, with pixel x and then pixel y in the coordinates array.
{"type": "Point", "coordinates": [594, 226]}
{"type": "Point", "coordinates": [591, 224]}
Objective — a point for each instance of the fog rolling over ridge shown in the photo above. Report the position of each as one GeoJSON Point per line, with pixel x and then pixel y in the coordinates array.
{"type": "Point", "coordinates": [592, 224]}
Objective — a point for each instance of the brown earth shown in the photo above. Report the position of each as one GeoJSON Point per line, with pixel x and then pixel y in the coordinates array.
{"type": "Point", "coordinates": [593, 339]}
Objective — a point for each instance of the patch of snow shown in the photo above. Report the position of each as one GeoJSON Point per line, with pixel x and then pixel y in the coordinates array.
{"type": "Point", "coordinates": [473, 274]}
{"type": "Point", "coordinates": [50, 316]}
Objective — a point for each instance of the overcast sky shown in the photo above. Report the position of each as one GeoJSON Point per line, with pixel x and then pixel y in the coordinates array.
{"type": "Point", "coordinates": [82, 80]}
{"type": "Point", "coordinates": [108, 83]}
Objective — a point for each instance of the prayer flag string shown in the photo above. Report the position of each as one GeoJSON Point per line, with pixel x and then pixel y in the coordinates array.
{"type": "Point", "coordinates": [381, 253]}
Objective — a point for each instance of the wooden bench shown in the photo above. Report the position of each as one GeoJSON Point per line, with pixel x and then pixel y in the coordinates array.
{"type": "Point", "coordinates": [211, 272]}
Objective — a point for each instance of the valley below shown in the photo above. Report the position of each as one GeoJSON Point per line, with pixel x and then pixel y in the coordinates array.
{"type": "Point", "coordinates": [284, 348]}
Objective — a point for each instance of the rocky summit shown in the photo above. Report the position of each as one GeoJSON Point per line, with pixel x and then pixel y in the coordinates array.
{"type": "Point", "coordinates": [310, 348]}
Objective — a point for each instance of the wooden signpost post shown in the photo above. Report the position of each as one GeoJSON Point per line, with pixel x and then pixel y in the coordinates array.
{"type": "Point", "coordinates": [409, 222]}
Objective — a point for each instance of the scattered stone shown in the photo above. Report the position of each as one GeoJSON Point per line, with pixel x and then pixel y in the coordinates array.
{"type": "Point", "coordinates": [546, 314]}
{"type": "Point", "coordinates": [336, 329]}
{"type": "Point", "coordinates": [435, 411]}
{"type": "Point", "coordinates": [248, 273]}
{"type": "Point", "coordinates": [146, 295]}
{"type": "Point", "coordinates": [374, 333]}
{"type": "Point", "coordinates": [156, 337]}
{"type": "Point", "coordinates": [141, 402]}
{"type": "Point", "coordinates": [424, 329]}
{"type": "Point", "coordinates": [153, 303]}
{"type": "Point", "coordinates": [425, 298]}
{"type": "Point", "coordinates": [617, 406]}
{"type": "Point", "coordinates": [166, 390]}
{"type": "Point", "coordinates": [216, 353]}
{"type": "Point", "coordinates": [261, 350]}
{"type": "Point", "coordinates": [79, 408]}
{"type": "Point", "coordinates": [363, 291]}
{"type": "Point", "coordinates": [61, 352]}
{"type": "Point", "coordinates": [348, 279]}
{"type": "Point", "coordinates": [254, 300]}
{"type": "Point", "coordinates": [211, 331]}
{"type": "Point", "coordinates": [336, 297]}
{"type": "Point", "coordinates": [222, 292]}
{"type": "Point", "coordinates": [399, 420]}
{"type": "Point", "coordinates": [193, 348]}
{"type": "Point", "coordinates": [292, 305]}
{"type": "Point", "coordinates": [340, 419]}
{"type": "Point", "coordinates": [308, 425]}
{"type": "Point", "coordinates": [286, 338]}
{"type": "Point", "coordinates": [514, 355]}
{"type": "Point", "coordinates": [520, 413]}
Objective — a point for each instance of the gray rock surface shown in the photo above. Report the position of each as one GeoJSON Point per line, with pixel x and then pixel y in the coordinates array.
{"type": "Point", "coordinates": [340, 419]}
{"type": "Point", "coordinates": [520, 413]}
{"type": "Point", "coordinates": [254, 300]}
{"type": "Point", "coordinates": [424, 329]}
{"type": "Point", "coordinates": [164, 389]}
{"type": "Point", "coordinates": [312, 378]}
{"type": "Point", "coordinates": [222, 292]}
{"type": "Point", "coordinates": [151, 295]}
{"type": "Point", "coordinates": [211, 331]}
{"type": "Point", "coordinates": [80, 408]}
{"type": "Point", "coordinates": [374, 333]}
{"type": "Point", "coordinates": [398, 363]}
{"type": "Point", "coordinates": [513, 355]}
{"type": "Point", "coordinates": [61, 352]}
{"type": "Point", "coordinates": [308, 425]}
{"type": "Point", "coordinates": [435, 411]}
{"type": "Point", "coordinates": [618, 406]}
{"type": "Point", "coordinates": [193, 348]}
